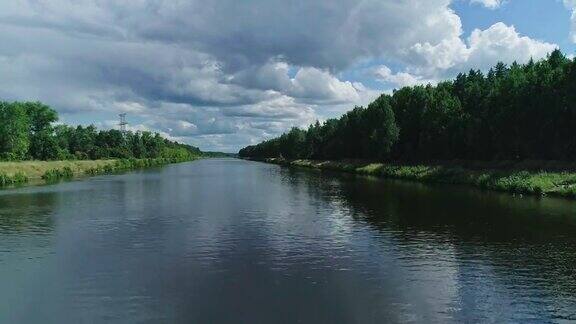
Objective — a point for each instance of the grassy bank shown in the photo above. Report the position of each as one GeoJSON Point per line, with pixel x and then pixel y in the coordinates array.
{"type": "Point", "coordinates": [18, 173]}
{"type": "Point", "coordinates": [521, 178]}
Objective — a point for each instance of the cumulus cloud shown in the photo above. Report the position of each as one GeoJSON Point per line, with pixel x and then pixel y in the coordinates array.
{"type": "Point", "coordinates": [309, 84]}
{"type": "Point", "coordinates": [323, 34]}
{"type": "Point", "coordinates": [482, 49]}
{"type": "Point", "coordinates": [317, 85]}
{"type": "Point", "coordinates": [226, 73]}
{"type": "Point", "coordinates": [504, 43]}
{"type": "Point", "coordinates": [401, 79]}
{"type": "Point", "coordinates": [428, 63]}
{"type": "Point", "coordinates": [491, 4]}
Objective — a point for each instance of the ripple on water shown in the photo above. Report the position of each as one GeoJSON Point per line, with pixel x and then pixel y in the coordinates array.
{"type": "Point", "coordinates": [198, 242]}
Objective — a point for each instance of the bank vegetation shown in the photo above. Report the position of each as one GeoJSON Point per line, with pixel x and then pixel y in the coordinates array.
{"type": "Point", "coordinates": [510, 115]}
{"type": "Point", "coordinates": [34, 147]}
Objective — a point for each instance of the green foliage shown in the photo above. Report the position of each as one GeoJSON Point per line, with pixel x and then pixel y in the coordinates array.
{"type": "Point", "coordinates": [27, 132]}
{"type": "Point", "coordinates": [509, 179]}
{"type": "Point", "coordinates": [44, 146]}
{"type": "Point", "coordinates": [40, 116]}
{"type": "Point", "coordinates": [515, 112]}
{"type": "Point", "coordinates": [361, 133]}
{"type": "Point", "coordinates": [218, 154]}
{"type": "Point", "coordinates": [15, 173]}
{"type": "Point", "coordinates": [58, 174]}
{"type": "Point", "coordinates": [14, 131]}
{"type": "Point", "coordinates": [18, 178]}
{"type": "Point", "coordinates": [131, 164]}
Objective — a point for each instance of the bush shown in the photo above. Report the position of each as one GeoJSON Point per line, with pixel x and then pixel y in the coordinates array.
{"type": "Point", "coordinates": [18, 178]}
{"type": "Point", "coordinates": [7, 156]}
{"type": "Point", "coordinates": [58, 174]}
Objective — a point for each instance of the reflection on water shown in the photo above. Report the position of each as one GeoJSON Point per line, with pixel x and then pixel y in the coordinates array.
{"type": "Point", "coordinates": [509, 256]}
{"type": "Point", "coordinates": [237, 241]}
{"type": "Point", "coordinates": [26, 213]}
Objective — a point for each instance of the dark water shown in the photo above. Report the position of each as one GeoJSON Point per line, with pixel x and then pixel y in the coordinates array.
{"type": "Point", "coordinates": [244, 242]}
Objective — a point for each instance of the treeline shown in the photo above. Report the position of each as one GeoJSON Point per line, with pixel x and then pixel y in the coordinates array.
{"type": "Point", "coordinates": [213, 154]}
{"type": "Point", "coordinates": [514, 112]}
{"type": "Point", "coordinates": [28, 132]}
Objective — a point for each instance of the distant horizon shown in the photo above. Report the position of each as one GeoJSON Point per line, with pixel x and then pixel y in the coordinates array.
{"type": "Point", "coordinates": [223, 75]}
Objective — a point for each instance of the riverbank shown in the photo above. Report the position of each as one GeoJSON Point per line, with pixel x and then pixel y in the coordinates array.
{"type": "Point", "coordinates": [519, 178]}
{"type": "Point", "coordinates": [26, 172]}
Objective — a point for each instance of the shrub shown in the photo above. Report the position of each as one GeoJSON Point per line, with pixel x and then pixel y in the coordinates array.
{"type": "Point", "coordinates": [58, 174]}
{"type": "Point", "coordinates": [18, 178]}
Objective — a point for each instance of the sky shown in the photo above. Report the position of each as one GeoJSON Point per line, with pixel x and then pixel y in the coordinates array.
{"type": "Point", "coordinates": [223, 74]}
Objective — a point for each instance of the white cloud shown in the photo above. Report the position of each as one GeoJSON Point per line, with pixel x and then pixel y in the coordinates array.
{"type": "Point", "coordinates": [482, 50]}
{"type": "Point", "coordinates": [491, 4]}
{"type": "Point", "coordinates": [428, 63]}
{"type": "Point", "coordinates": [504, 43]}
{"type": "Point", "coordinates": [318, 85]}
{"type": "Point", "coordinates": [400, 79]}
{"type": "Point", "coordinates": [226, 73]}
{"type": "Point", "coordinates": [309, 84]}
{"type": "Point", "coordinates": [323, 34]}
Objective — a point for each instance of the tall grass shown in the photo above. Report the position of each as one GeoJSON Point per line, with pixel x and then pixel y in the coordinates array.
{"type": "Point", "coordinates": [132, 164]}
{"type": "Point", "coordinates": [15, 173]}
{"type": "Point", "coordinates": [58, 174]}
{"type": "Point", "coordinates": [10, 180]}
{"type": "Point", "coordinates": [513, 180]}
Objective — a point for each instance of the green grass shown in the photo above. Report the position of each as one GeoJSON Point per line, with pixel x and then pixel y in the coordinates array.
{"type": "Point", "coordinates": [58, 174]}
{"type": "Point", "coordinates": [14, 179]}
{"type": "Point", "coordinates": [23, 172]}
{"type": "Point", "coordinates": [34, 170]}
{"type": "Point", "coordinates": [130, 164]}
{"type": "Point", "coordinates": [507, 179]}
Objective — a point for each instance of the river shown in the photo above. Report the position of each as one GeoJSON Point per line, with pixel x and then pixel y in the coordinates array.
{"type": "Point", "coordinates": [233, 241]}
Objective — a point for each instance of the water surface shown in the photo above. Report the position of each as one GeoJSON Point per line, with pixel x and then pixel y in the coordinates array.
{"type": "Point", "coordinates": [234, 241]}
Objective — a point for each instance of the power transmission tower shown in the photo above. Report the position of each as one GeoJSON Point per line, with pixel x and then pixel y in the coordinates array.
{"type": "Point", "coordinates": [123, 123]}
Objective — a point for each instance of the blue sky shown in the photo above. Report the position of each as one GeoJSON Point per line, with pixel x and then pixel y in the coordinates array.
{"type": "Point", "coordinates": [541, 19]}
{"type": "Point", "coordinates": [222, 74]}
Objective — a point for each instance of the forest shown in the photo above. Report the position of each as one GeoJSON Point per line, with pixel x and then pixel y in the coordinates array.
{"type": "Point", "coordinates": [511, 112]}
{"type": "Point", "coordinates": [28, 132]}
